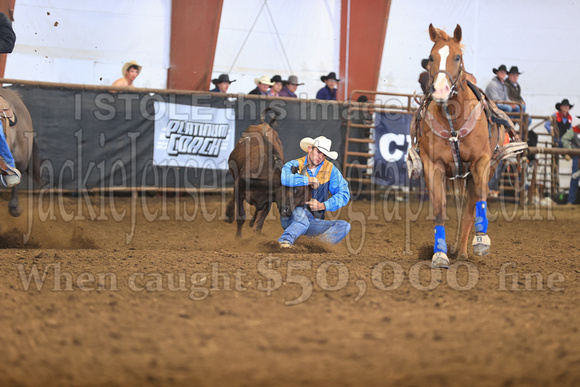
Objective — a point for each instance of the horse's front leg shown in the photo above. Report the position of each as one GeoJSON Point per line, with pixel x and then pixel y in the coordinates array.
{"type": "Point", "coordinates": [478, 208]}
{"type": "Point", "coordinates": [435, 180]}
{"type": "Point", "coordinates": [467, 218]}
{"type": "Point", "coordinates": [460, 205]}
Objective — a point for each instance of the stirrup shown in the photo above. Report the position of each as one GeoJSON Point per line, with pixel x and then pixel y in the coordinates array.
{"type": "Point", "coordinates": [12, 179]}
{"type": "Point", "coordinates": [414, 165]}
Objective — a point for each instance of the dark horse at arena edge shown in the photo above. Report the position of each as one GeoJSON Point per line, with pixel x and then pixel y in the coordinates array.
{"type": "Point", "coordinates": [17, 125]}
{"type": "Point", "coordinates": [453, 139]}
{"type": "Point", "coordinates": [256, 166]}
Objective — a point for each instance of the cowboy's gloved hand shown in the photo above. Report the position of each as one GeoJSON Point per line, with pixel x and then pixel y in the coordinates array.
{"type": "Point", "coordinates": [313, 182]}
{"type": "Point", "coordinates": [315, 205]}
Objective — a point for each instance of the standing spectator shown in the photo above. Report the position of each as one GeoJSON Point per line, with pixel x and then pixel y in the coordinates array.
{"type": "Point", "coordinates": [424, 76]}
{"type": "Point", "coordinates": [562, 118]}
{"type": "Point", "coordinates": [262, 86]}
{"type": "Point", "coordinates": [328, 92]}
{"type": "Point", "coordinates": [496, 90]}
{"type": "Point", "coordinates": [130, 72]}
{"type": "Point", "coordinates": [290, 86]}
{"type": "Point", "coordinates": [222, 83]}
{"type": "Point", "coordinates": [571, 140]}
{"type": "Point", "coordinates": [277, 86]}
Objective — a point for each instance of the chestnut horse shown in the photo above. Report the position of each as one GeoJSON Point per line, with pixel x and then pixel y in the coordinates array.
{"type": "Point", "coordinates": [456, 138]}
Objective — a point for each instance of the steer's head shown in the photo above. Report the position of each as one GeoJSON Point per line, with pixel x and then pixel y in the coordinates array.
{"type": "Point", "coordinates": [288, 198]}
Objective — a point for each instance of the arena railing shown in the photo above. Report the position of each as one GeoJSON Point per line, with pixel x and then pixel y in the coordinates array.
{"type": "Point", "coordinates": [334, 106]}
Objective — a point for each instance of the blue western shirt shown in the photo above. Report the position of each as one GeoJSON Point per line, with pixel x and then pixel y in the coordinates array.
{"type": "Point", "coordinates": [326, 93]}
{"type": "Point", "coordinates": [330, 179]}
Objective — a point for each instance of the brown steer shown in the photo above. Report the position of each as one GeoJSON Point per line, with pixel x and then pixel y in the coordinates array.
{"type": "Point", "coordinates": [256, 166]}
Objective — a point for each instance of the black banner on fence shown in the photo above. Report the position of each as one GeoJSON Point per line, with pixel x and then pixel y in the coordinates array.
{"type": "Point", "coordinates": [92, 139]}
{"type": "Point", "coordinates": [392, 141]}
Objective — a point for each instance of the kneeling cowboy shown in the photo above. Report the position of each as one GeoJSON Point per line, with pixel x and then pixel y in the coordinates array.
{"type": "Point", "coordinates": [325, 180]}
{"type": "Point", "coordinates": [10, 176]}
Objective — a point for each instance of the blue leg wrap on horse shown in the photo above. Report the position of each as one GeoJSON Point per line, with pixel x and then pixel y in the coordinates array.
{"type": "Point", "coordinates": [481, 217]}
{"type": "Point", "coordinates": [440, 244]}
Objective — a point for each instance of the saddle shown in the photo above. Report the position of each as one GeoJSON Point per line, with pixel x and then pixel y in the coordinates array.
{"type": "Point", "coordinates": [494, 115]}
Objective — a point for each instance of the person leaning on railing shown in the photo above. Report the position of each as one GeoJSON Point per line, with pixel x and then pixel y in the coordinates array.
{"type": "Point", "coordinates": [290, 86]}
{"type": "Point", "coordinates": [514, 90]}
{"type": "Point", "coordinates": [571, 140]}
{"type": "Point", "coordinates": [496, 90]}
{"type": "Point", "coordinates": [562, 119]}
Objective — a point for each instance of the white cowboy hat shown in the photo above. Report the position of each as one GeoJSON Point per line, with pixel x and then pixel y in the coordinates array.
{"type": "Point", "coordinates": [322, 143]}
{"type": "Point", "coordinates": [265, 80]}
{"type": "Point", "coordinates": [129, 64]}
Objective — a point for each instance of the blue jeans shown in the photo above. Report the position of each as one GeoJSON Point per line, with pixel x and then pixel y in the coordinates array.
{"type": "Point", "coordinates": [508, 108]}
{"type": "Point", "coordinates": [301, 222]}
{"type": "Point", "coordinates": [4, 150]}
{"type": "Point", "coordinates": [573, 182]}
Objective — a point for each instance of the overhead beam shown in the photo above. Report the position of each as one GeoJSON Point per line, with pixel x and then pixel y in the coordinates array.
{"type": "Point", "coordinates": [363, 26]}
{"type": "Point", "coordinates": [194, 32]}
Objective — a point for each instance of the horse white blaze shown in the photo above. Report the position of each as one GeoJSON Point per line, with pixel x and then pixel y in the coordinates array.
{"type": "Point", "coordinates": [441, 85]}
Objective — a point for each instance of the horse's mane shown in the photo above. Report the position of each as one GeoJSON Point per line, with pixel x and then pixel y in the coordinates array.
{"type": "Point", "coordinates": [442, 34]}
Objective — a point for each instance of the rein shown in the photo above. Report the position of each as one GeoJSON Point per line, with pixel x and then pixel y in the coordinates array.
{"type": "Point", "coordinates": [452, 134]}
{"type": "Point", "coordinates": [454, 143]}
{"type": "Point", "coordinates": [454, 82]}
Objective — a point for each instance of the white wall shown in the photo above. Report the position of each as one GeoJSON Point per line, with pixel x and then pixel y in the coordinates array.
{"type": "Point", "coordinates": [91, 41]}
{"type": "Point", "coordinates": [539, 37]}
{"type": "Point", "coordinates": [300, 37]}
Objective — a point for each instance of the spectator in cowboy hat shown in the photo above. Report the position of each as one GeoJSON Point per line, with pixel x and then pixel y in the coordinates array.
{"type": "Point", "coordinates": [262, 85]}
{"type": "Point", "coordinates": [563, 120]}
{"type": "Point", "coordinates": [424, 76]}
{"type": "Point", "coordinates": [571, 140]}
{"type": "Point", "coordinates": [515, 90]}
{"type": "Point", "coordinates": [222, 83]}
{"type": "Point", "coordinates": [513, 87]}
{"type": "Point", "coordinates": [290, 86]}
{"type": "Point", "coordinates": [130, 71]}
{"type": "Point", "coordinates": [277, 85]}
{"type": "Point", "coordinates": [328, 92]}
{"type": "Point", "coordinates": [324, 179]}
{"type": "Point", "coordinates": [496, 90]}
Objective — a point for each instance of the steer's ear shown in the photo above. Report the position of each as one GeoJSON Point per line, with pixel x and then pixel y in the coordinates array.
{"type": "Point", "coordinates": [294, 170]}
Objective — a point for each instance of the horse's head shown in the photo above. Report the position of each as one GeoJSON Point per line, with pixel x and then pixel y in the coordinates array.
{"type": "Point", "coordinates": [288, 198]}
{"type": "Point", "coordinates": [446, 63]}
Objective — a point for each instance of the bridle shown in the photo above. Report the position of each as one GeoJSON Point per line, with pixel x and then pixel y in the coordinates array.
{"type": "Point", "coordinates": [454, 82]}
{"type": "Point", "coordinates": [454, 137]}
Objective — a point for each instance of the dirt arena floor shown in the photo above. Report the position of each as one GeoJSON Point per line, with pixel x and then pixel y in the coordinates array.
{"type": "Point", "coordinates": [154, 292]}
